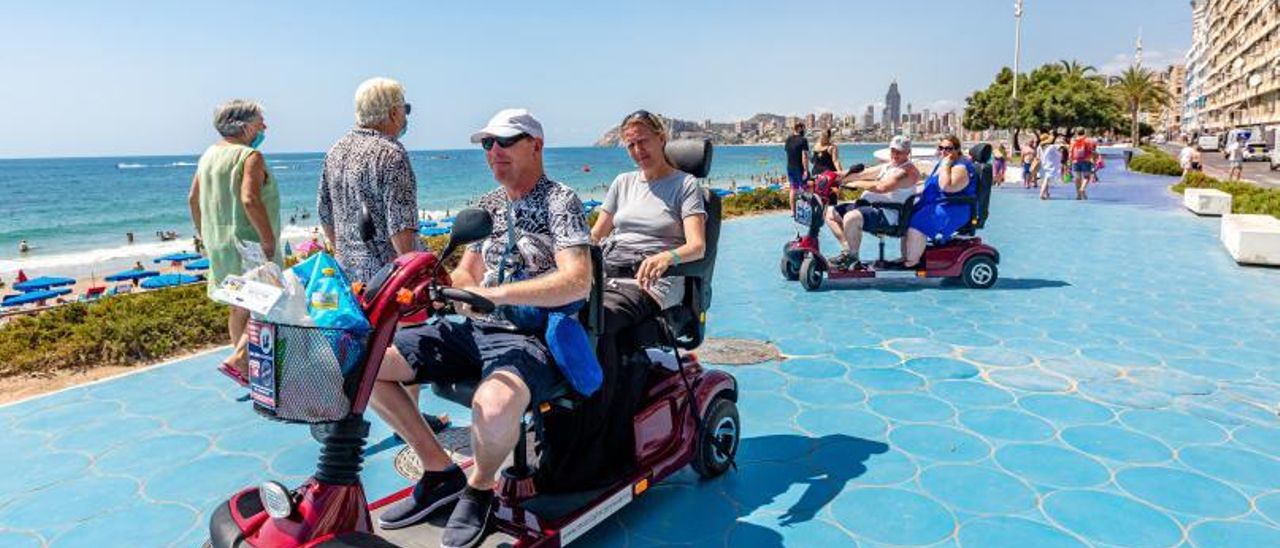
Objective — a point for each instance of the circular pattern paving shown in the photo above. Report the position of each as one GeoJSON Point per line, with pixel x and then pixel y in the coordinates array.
{"type": "Point", "coordinates": [1116, 443]}
{"type": "Point", "coordinates": [1008, 532]}
{"type": "Point", "coordinates": [1111, 519]}
{"type": "Point", "coordinates": [1052, 466]}
{"type": "Point", "coordinates": [1184, 492]}
{"type": "Point", "coordinates": [893, 516]}
{"type": "Point", "coordinates": [978, 490]}
{"type": "Point", "coordinates": [941, 443]}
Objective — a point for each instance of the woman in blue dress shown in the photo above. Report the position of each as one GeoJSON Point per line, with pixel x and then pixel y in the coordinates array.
{"type": "Point", "coordinates": [936, 219]}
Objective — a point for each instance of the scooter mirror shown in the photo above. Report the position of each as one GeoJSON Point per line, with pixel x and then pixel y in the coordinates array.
{"type": "Point", "coordinates": [471, 225]}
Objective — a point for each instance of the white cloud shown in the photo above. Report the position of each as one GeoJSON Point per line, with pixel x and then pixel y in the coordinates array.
{"type": "Point", "coordinates": [1151, 59]}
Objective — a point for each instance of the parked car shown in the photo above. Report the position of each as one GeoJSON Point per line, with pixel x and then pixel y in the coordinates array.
{"type": "Point", "coordinates": [1206, 143]}
{"type": "Point", "coordinates": [1255, 146]}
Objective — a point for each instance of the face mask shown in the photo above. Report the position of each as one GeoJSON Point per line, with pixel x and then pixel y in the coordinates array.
{"type": "Point", "coordinates": [257, 139]}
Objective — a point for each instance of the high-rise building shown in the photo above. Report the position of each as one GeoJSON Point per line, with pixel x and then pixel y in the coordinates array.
{"type": "Point", "coordinates": [869, 117]}
{"type": "Point", "coordinates": [1175, 81]}
{"type": "Point", "coordinates": [826, 120]}
{"type": "Point", "coordinates": [1237, 72]}
{"type": "Point", "coordinates": [1196, 69]}
{"type": "Point", "coordinates": [810, 121]}
{"type": "Point", "coordinates": [893, 104]}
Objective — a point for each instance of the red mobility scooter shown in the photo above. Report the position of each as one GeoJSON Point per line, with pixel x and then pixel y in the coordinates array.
{"type": "Point", "coordinates": [687, 415]}
{"type": "Point", "coordinates": [965, 258]}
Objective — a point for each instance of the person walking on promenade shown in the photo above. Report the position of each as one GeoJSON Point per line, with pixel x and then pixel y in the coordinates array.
{"type": "Point", "coordinates": [826, 155]}
{"type": "Point", "coordinates": [235, 199]}
{"type": "Point", "coordinates": [1082, 152]}
{"type": "Point", "coordinates": [1050, 160]}
{"type": "Point", "coordinates": [368, 169]}
{"type": "Point", "coordinates": [1029, 166]}
{"type": "Point", "coordinates": [1189, 159]}
{"type": "Point", "coordinates": [797, 148]}
{"type": "Point", "coordinates": [998, 164]}
{"type": "Point", "coordinates": [1235, 158]}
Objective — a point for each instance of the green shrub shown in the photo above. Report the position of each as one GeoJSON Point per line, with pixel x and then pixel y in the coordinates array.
{"type": "Point", "coordinates": [122, 330]}
{"type": "Point", "coordinates": [1155, 162]}
{"type": "Point", "coordinates": [755, 201]}
{"type": "Point", "coordinates": [1245, 197]}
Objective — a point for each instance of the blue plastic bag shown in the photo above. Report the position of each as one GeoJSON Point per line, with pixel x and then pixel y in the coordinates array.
{"type": "Point", "coordinates": [567, 340]}
{"type": "Point", "coordinates": [348, 316]}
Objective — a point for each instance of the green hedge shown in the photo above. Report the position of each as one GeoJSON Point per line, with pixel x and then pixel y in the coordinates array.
{"type": "Point", "coordinates": [1245, 197]}
{"type": "Point", "coordinates": [122, 330]}
{"type": "Point", "coordinates": [1155, 162]}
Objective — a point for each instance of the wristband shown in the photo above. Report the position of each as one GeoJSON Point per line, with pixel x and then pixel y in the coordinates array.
{"type": "Point", "coordinates": [674, 256]}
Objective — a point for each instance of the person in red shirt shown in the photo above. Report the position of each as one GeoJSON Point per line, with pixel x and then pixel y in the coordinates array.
{"type": "Point", "coordinates": [1081, 154]}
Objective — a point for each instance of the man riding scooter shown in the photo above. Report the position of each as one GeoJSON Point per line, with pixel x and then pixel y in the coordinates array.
{"type": "Point", "coordinates": [537, 256]}
{"type": "Point", "coordinates": [890, 183]}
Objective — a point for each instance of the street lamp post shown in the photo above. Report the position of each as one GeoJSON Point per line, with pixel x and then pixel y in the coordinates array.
{"type": "Point", "coordinates": [1017, 51]}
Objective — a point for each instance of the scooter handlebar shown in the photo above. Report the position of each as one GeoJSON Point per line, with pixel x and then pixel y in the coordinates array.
{"type": "Point", "coordinates": [476, 302]}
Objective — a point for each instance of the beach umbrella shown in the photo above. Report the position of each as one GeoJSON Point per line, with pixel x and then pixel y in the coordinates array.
{"type": "Point", "coordinates": [177, 257]}
{"type": "Point", "coordinates": [43, 282]}
{"type": "Point", "coordinates": [33, 297]}
{"type": "Point", "coordinates": [168, 280]}
{"type": "Point", "coordinates": [131, 274]}
{"type": "Point", "coordinates": [448, 219]}
{"type": "Point", "coordinates": [425, 224]}
{"type": "Point", "coordinates": [433, 231]}
{"type": "Point", "coordinates": [198, 264]}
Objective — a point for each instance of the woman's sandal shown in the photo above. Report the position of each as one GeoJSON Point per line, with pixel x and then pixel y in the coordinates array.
{"type": "Point", "coordinates": [230, 371]}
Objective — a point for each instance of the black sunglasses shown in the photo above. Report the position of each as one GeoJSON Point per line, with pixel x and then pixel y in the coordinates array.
{"type": "Point", "coordinates": [641, 114]}
{"type": "Point", "coordinates": [407, 109]}
{"type": "Point", "coordinates": [947, 148]}
{"type": "Point", "coordinates": [504, 142]}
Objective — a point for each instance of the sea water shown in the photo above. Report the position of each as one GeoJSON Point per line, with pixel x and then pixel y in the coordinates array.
{"type": "Point", "coordinates": [75, 212]}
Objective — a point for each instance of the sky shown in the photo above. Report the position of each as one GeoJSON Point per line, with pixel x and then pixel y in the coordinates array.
{"type": "Point", "coordinates": [82, 78]}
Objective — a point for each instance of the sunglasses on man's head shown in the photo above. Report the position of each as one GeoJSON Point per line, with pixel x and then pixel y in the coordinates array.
{"type": "Point", "coordinates": [504, 142]}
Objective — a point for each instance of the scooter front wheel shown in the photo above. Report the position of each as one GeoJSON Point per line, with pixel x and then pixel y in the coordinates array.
{"type": "Point", "coordinates": [810, 274]}
{"type": "Point", "coordinates": [790, 270]}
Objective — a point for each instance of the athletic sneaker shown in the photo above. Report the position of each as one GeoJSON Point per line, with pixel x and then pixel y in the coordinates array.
{"type": "Point", "coordinates": [470, 517]}
{"type": "Point", "coordinates": [434, 490]}
{"type": "Point", "coordinates": [843, 260]}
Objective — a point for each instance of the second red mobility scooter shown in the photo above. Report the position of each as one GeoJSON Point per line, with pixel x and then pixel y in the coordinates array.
{"type": "Point", "coordinates": [965, 258]}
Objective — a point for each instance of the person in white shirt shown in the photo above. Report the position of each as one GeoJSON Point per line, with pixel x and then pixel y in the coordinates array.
{"type": "Point", "coordinates": [1235, 158]}
{"type": "Point", "coordinates": [1050, 156]}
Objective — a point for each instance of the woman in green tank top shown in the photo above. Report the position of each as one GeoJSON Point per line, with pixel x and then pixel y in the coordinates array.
{"type": "Point", "coordinates": [235, 199]}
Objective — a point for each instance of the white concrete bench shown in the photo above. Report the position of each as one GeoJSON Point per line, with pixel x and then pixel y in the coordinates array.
{"type": "Point", "coordinates": [1206, 201]}
{"type": "Point", "coordinates": [1252, 239]}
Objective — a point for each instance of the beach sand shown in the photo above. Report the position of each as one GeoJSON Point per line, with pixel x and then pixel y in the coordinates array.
{"type": "Point", "coordinates": [21, 387]}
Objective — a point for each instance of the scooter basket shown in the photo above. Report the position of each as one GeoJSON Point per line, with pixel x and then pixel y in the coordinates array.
{"type": "Point", "coordinates": [303, 374]}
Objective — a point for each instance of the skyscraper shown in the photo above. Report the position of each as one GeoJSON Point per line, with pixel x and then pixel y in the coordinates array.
{"type": "Point", "coordinates": [892, 105]}
{"type": "Point", "coordinates": [869, 117]}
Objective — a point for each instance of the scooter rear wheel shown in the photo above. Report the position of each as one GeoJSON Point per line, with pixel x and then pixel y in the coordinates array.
{"type": "Point", "coordinates": [718, 443]}
{"type": "Point", "coordinates": [810, 275]}
{"type": "Point", "coordinates": [979, 272]}
{"type": "Point", "coordinates": [790, 270]}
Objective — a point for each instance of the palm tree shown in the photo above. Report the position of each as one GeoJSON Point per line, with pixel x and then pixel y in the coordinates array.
{"type": "Point", "coordinates": [1138, 89]}
{"type": "Point", "coordinates": [1075, 70]}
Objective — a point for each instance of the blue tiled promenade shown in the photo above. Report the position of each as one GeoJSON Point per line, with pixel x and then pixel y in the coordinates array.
{"type": "Point", "coordinates": [1117, 387]}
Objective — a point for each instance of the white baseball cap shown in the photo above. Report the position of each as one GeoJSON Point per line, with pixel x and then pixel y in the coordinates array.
{"type": "Point", "coordinates": [509, 123]}
{"type": "Point", "coordinates": [900, 143]}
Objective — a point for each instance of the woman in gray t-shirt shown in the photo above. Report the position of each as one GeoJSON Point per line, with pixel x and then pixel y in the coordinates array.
{"type": "Point", "coordinates": [651, 219]}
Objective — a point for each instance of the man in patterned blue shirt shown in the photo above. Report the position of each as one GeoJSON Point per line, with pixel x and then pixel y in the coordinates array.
{"type": "Point", "coordinates": [538, 256]}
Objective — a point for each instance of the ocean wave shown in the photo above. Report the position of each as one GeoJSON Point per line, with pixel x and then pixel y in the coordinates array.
{"type": "Point", "coordinates": [130, 165]}
{"type": "Point", "coordinates": [103, 257]}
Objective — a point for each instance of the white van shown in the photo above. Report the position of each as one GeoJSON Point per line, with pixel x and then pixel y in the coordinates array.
{"type": "Point", "coordinates": [1206, 142]}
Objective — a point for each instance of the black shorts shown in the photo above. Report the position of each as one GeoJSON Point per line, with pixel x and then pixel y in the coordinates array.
{"type": "Point", "coordinates": [461, 351]}
{"type": "Point", "coordinates": [873, 218]}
